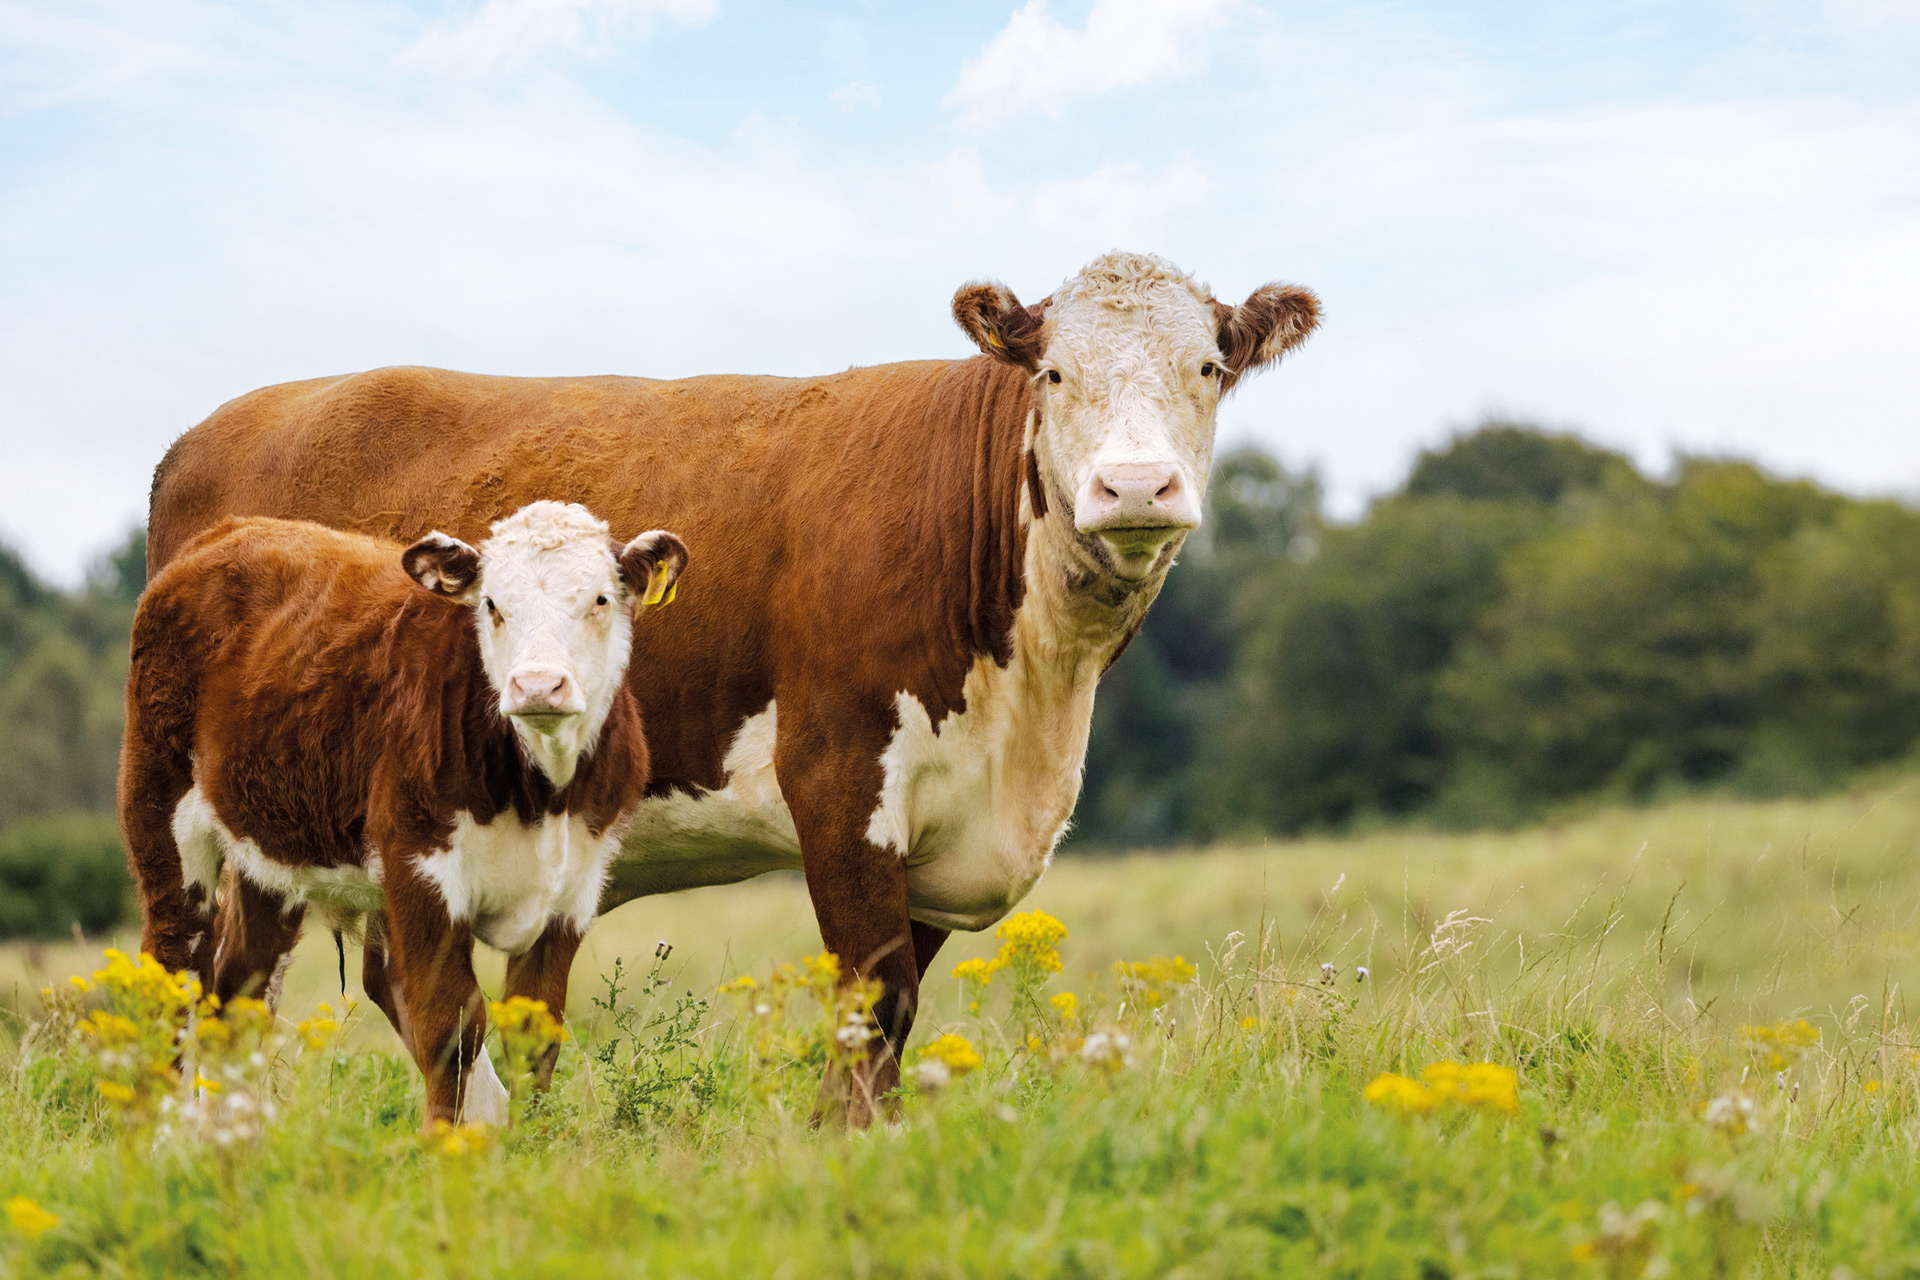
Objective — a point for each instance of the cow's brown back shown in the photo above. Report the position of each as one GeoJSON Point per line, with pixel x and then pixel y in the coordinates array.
{"type": "Point", "coordinates": [852, 532]}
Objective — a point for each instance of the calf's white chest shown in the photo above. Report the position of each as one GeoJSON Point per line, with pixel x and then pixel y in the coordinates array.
{"type": "Point", "coordinates": [508, 878]}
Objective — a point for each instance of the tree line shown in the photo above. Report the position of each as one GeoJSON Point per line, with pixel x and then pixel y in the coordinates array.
{"type": "Point", "coordinates": [1528, 620]}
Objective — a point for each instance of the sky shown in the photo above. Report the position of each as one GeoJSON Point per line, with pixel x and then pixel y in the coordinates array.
{"type": "Point", "coordinates": [1673, 227]}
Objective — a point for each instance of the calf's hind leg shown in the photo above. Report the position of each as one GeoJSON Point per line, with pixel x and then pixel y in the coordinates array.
{"type": "Point", "coordinates": [155, 776]}
{"type": "Point", "coordinates": [254, 935]}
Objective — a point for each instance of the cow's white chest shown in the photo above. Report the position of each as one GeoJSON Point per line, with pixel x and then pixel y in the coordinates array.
{"type": "Point", "coordinates": [508, 879]}
{"type": "Point", "coordinates": [977, 807]}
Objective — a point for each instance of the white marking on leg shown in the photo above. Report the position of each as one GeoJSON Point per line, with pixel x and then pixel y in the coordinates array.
{"type": "Point", "coordinates": [486, 1099]}
{"type": "Point", "coordinates": [202, 840]}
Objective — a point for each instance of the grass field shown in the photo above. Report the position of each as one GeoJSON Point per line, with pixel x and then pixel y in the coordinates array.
{"type": "Point", "coordinates": [1644, 974]}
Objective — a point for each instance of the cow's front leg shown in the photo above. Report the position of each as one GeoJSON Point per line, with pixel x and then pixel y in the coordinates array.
{"type": "Point", "coordinates": [430, 960]}
{"type": "Point", "coordinates": [831, 781]}
{"type": "Point", "coordinates": [540, 973]}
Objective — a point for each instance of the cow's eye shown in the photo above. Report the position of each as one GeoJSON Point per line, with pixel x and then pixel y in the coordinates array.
{"type": "Point", "coordinates": [600, 602]}
{"type": "Point", "coordinates": [491, 611]}
{"type": "Point", "coordinates": [1053, 376]}
{"type": "Point", "coordinates": [1208, 369]}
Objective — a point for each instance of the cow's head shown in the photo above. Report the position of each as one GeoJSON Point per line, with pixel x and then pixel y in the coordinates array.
{"type": "Point", "coordinates": [554, 599]}
{"type": "Point", "coordinates": [1130, 360]}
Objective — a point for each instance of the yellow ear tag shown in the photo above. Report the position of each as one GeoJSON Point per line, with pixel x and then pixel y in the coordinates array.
{"type": "Point", "coordinates": [672, 591]}
{"type": "Point", "coordinates": [661, 598]}
{"type": "Point", "coordinates": [992, 340]}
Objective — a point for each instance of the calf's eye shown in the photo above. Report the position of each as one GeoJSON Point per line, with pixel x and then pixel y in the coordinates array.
{"type": "Point", "coordinates": [1053, 376]}
{"type": "Point", "coordinates": [600, 601]}
{"type": "Point", "coordinates": [1208, 369]}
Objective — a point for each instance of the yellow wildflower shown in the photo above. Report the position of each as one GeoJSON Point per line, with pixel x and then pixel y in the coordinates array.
{"type": "Point", "coordinates": [823, 969]}
{"type": "Point", "coordinates": [1067, 1004]}
{"type": "Point", "coordinates": [115, 1092]}
{"type": "Point", "coordinates": [952, 1050]}
{"type": "Point", "coordinates": [980, 971]}
{"type": "Point", "coordinates": [1149, 982]}
{"type": "Point", "coordinates": [1872, 1086]}
{"type": "Point", "coordinates": [1483, 1086]}
{"type": "Point", "coordinates": [1031, 938]}
{"type": "Point", "coordinates": [1781, 1042]}
{"type": "Point", "coordinates": [28, 1218]}
{"type": "Point", "coordinates": [456, 1140]}
{"type": "Point", "coordinates": [1249, 1022]}
{"type": "Point", "coordinates": [1398, 1093]}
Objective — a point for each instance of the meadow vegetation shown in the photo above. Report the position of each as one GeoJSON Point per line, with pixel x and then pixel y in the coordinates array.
{"type": "Point", "coordinates": [1650, 1041]}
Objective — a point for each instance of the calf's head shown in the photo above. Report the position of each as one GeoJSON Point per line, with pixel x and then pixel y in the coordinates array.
{"type": "Point", "coordinates": [554, 599]}
{"type": "Point", "coordinates": [1130, 360]}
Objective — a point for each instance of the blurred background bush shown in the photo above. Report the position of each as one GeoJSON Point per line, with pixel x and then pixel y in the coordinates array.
{"type": "Point", "coordinates": [1528, 623]}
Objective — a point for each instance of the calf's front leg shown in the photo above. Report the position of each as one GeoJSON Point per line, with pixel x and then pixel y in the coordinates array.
{"type": "Point", "coordinates": [540, 973]}
{"type": "Point", "coordinates": [430, 962]}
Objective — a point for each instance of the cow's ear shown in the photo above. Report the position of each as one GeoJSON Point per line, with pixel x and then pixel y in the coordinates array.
{"type": "Point", "coordinates": [651, 566]}
{"type": "Point", "coordinates": [999, 325]}
{"type": "Point", "coordinates": [444, 565]}
{"type": "Point", "coordinates": [1273, 320]}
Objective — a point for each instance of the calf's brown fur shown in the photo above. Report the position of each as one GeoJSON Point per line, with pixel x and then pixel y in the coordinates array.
{"type": "Point", "coordinates": [328, 706]}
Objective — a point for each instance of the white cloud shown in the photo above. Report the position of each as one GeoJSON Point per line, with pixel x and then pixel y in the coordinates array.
{"type": "Point", "coordinates": [1037, 63]}
{"type": "Point", "coordinates": [858, 94]}
{"type": "Point", "coordinates": [507, 34]}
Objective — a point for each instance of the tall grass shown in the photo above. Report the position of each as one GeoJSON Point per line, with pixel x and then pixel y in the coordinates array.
{"type": "Point", "coordinates": [1644, 974]}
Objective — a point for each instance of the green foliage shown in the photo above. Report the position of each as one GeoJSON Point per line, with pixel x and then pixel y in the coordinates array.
{"type": "Point", "coordinates": [63, 672]}
{"type": "Point", "coordinates": [60, 871]}
{"type": "Point", "coordinates": [1499, 460]}
{"type": "Point", "coordinates": [1527, 622]}
{"type": "Point", "coordinates": [650, 1050]}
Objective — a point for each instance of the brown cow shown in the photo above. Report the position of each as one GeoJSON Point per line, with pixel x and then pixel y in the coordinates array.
{"type": "Point", "coordinates": [911, 576]}
{"type": "Point", "coordinates": [454, 762]}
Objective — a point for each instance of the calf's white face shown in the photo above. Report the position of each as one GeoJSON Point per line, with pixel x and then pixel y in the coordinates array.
{"type": "Point", "coordinates": [1130, 360]}
{"type": "Point", "coordinates": [554, 599]}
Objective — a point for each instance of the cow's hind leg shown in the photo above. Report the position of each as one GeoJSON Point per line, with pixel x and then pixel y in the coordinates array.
{"type": "Point", "coordinates": [175, 857]}
{"type": "Point", "coordinates": [254, 935]}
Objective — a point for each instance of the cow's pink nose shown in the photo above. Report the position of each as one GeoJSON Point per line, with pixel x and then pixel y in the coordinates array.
{"type": "Point", "coordinates": [537, 690]}
{"type": "Point", "coordinates": [1137, 496]}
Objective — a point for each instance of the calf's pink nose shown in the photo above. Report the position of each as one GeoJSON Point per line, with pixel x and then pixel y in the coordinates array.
{"type": "Point", "coordinates": [529, 690]}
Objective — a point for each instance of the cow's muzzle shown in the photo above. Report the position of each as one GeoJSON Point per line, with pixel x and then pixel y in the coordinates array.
{"type": "Point", "coordinates": [1136, 509]}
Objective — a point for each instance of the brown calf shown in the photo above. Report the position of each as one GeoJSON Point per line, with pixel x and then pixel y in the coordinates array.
{"type": "Point", "coordinates": [437, 739]}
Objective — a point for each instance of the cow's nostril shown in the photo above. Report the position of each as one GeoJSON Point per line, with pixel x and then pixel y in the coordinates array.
{"type": "Point", "coordinates": [1164, 490]}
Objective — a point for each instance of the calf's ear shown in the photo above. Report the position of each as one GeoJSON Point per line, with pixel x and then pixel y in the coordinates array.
{"type": "Point", "coordinates": [651, 566]}
{"type": "Point", "coordinates": [1273, 320]}
{"type": "Point", "coordinates": [999, 325]}
{"type": "Point", "coordinates": [444, 565]}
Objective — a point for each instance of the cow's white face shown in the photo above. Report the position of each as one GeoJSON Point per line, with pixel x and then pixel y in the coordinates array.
{"type": "Point", "coordinates": [1130, 360]}
{"type": "Point", "coordinates": [554, 599]}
